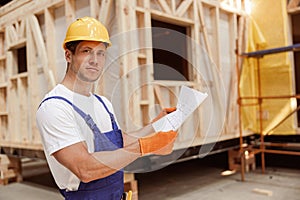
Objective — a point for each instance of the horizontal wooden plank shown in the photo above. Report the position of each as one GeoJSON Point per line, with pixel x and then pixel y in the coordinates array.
{"type": "Point", "coordinates": [31, 7]}
{"type": "Point", "coordinates": [158, 15]}
{"type": "Point", "coordinates": [174, 83]}
{"type": "Point", "coordinates": [3, 85]}
{"type": "Point", "coordinates": [17, 44]}
{"type": "Point", "coordinates": [8, 174]}
{"type": "Point", "coordinates": [4, 160]}
{"type": "Point", "coordinates": [19, 145]}
{"type": "Point", "coordinates": [294, 10]}
{"type": "Point", "coordinates": [3, 114]}
{"type": "Point", "coordinates": [2, 57]}
{"type": "Point", "coordinates": [21, 75]}
{"type": "Point", "coordinates": [12, 6]}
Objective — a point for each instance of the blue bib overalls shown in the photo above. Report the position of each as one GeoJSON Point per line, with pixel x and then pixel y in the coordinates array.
{"type": "Point", "coordinates": [108, 188]}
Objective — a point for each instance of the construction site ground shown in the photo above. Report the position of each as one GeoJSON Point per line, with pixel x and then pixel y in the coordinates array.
{"type": "Point", "coordinates": [194, 180]}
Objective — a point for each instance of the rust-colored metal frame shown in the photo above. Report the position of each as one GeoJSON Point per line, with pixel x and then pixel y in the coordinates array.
{"type": "Point", "coordinates": [259, 55]}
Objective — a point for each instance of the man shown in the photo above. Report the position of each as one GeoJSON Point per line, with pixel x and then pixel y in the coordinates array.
{"type": "Point", "coordinates": [84, 146]}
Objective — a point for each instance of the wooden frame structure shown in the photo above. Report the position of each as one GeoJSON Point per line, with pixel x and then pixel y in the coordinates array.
{"type": "Point", "coordinates": [34, 25]}
{"type": "Point", "coordinates": [215, 27]}
{"type": "Point", "coordinates": [293, 6]}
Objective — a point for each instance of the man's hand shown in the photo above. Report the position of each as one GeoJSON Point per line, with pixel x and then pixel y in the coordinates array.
{"type": "Point", "coordinates": [164, 112]}
{"type": "Point", "coordinates": [160, 143]}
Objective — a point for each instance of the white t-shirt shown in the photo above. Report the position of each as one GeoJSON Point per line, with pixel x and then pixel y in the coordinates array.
{"type": "Point", "coordinates": [61, 126]}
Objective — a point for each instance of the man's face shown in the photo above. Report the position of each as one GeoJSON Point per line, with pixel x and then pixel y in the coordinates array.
{"type": "Point", "coordinates": [88, 60]}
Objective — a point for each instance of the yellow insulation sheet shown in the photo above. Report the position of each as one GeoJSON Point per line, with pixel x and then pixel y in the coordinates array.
{"type": "Point", "coordinates": [275, 70]}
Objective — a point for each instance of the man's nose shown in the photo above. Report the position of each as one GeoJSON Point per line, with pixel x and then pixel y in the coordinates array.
{"type": "Point", "coordinates": [93, 58]}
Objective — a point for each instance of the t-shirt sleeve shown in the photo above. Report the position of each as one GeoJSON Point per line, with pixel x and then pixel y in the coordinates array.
{"type": "Point", "coordinates": [57, 125]}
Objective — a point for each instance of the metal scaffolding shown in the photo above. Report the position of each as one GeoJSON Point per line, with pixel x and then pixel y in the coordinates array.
{"type": "Point", "coordinates": [258, 55]}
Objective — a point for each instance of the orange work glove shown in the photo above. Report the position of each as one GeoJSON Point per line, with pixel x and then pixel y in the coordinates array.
{"type": "Point", "coordinates": [160, 143]}
{"type": "Point", "coordinates": [164, 112]}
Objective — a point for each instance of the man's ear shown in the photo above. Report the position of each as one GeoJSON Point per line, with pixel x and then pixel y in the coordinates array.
{"type": "Point", "coordinates": [68, 55]}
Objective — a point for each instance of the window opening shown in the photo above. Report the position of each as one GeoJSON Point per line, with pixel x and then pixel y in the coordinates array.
{"type": "Point", "coordinates": [169, 51]}
{"type": "Point", "coordinates": [22, 59]}
{"type": "Point", "coordinates": [4, 2]}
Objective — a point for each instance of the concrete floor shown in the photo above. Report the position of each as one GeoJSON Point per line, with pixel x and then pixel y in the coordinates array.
{"type": "Point", "coordinates": [199, 179]}
{"type": "Point", "coordinates": [196, 182]}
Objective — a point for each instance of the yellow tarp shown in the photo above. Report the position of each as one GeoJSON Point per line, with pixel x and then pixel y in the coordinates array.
{"type": "Point", "coordinates": [275, 69]}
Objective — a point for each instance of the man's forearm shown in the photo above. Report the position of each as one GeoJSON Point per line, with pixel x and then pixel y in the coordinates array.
{"type": "Point", "coordinates": [113, 161]}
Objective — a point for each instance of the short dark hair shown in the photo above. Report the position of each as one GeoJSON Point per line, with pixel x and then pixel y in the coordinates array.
{"type": "Point", "coordinates": [72, 45]}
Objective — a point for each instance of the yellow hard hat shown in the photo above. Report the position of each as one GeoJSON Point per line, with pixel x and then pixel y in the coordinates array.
{"type": "Point", "coordinates": [87, 28]}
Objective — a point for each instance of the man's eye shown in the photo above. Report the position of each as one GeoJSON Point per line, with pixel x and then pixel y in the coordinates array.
{"type": "Point", "coordinates": [86, 51]}
{"type": "Point", "coordinates": [101, 53]}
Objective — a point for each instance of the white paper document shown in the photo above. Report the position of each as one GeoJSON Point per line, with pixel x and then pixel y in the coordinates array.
{"type": "Point", "coordinates": [189, 99]}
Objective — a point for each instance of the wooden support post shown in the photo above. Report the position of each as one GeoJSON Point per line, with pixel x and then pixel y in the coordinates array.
{"type": "Point", "coordinates": [95, 7]}
{"type": "Point", "coordinates": [217, 89]}
{"type": "Point", "coordinates": [50, 40]}
{"type": "Point", "coordinates": [182, 9]}
{"type": "Point", "coordinates": [105, 12]}
{"type": "Point", "coordinates": [70, 11]}
{"type": "Point", "coordinates": [165, 6]}
{"type": "Point", "coordinates": [234, 160]}
{"type": "Point", "coordinates": [10, 169]}
{"type": "Point", "coordinates": [293, 4]}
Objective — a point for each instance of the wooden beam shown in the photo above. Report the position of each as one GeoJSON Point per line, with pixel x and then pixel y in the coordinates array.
{"type": "Point", "coordinates": [158, 95]}
{"type": "Point", "coordinates": [12, 6]}
{"type": "Point", "coordinates": [70, 11]}
{"type": "Point", "coordinates": [203, 28]}
{"type": "Point", "coordinates": [94, 7]}
{"type": "Point", "coordinates": [170, 18]}
{"type": "Point", "coordinates": [294, 10]}
{"type": "Point", "coordinates": [121, 19]}
{"type": "Point", "coordinates": [217, 89]}
{"type": "Point", "coordinates": [183, 8]}
{"type": "Point", "coordinates": [12, 36]}
{"type": "Point", "coordinates": [293, 4]}
{"type": "Point", "coordinates": [33, 24]}
{"type": "Point", "coordinates": [32, 7]}
{"type": "Point", "coordinates": [165, 7]}
{"type": "Point", "coordinates": [24, 121]}
{"type": "Point", "coordinates": [105, 11]}
{"type": "Point", "coordinates": [21, 30]}
{"type": "Point", "coordinates": [10, 144]}
{"type": "Point", "coordinates": [50, 40]}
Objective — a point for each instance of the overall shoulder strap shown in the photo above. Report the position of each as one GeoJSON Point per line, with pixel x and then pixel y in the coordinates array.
{"type": "Point", "coordinates": [87, 118]}
{"type": "Point", "coordinates": [112, 118]}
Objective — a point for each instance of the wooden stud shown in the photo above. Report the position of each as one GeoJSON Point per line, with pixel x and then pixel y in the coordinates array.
{"type": "Point", "coordinates": [19, 12]}
{"type": "Point", "coordinates": [293, 4]}
{"type": "Point", "coordinates": [39, 41]}
{"type": "Point", "coordinates": [70, 11]}
{"type": "Point", "coordinates": [217, 89]}
{"type": "Point", "coordinates": [35, 46]}
{"type": "Point", "coordinates": [23, 106]}
{"type": "Point", "coordinates": [164, 5]}
{"type": "Point", "coordinates": [105, 10]}
{"type": "Point", "coordinates": [183, 8]}
{"type": "Point", "coordinates": [95, 7]}
{"type": "Point", "coordinates": [50, 40]}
